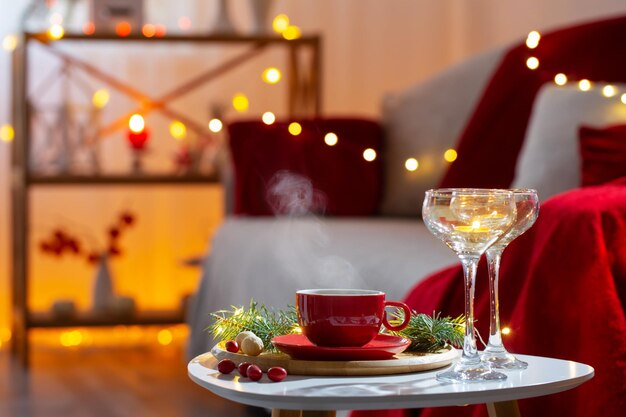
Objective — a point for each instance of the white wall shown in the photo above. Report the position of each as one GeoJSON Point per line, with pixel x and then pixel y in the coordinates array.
{"type": "Point", "coordinates": [371, 47]}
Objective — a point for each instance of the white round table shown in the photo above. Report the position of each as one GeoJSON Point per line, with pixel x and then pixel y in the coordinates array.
{"type": "Point", "coordinates": [320, 396]}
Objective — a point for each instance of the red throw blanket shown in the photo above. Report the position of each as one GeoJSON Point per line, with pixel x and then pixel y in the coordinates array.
{"type": "Point", "coordinates": [491, 141]}
{"type": "Point", "coordinates": [562, 294]}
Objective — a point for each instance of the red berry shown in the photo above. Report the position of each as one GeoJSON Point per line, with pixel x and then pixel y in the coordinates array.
{"type": "Point", "coordinates": [243, 368]}
{"type": "Point", "coordinates": [225, 366]}
{"type": "Point", "coordinates": [254, 372]}
{"type": "Point", "coordinates": [127, 218]}
{"type": "Point", "coordinates": [232, 346]}
{"type": "Point", "coordinates": [114, 232]}
{"type": "Point", "coordinates": [276, 373]}
{"type": "Point", "coordinates": [114, 251]}
{"type": "Point", "coordinates": [93, 258]}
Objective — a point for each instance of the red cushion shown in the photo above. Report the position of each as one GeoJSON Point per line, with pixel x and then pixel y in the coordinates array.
{"type": "Point", "coordinates": [276, 172]}
{"type": "Point", "coordinates": [603, 154]}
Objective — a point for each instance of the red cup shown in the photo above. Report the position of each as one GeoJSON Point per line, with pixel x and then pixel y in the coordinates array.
{"type": "Point", "coordinates": [345, 318]}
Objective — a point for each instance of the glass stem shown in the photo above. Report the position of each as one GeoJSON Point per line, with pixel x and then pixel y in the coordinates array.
{"type": "Point", "coordinates": [470, 353]}
{"type": "Point", "coordinates": [493, 263]}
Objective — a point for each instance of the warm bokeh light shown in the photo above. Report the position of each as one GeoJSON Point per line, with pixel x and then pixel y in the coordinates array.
{"type": "Point", "coordinates": [5, 334]}
{"type": "Point", "coordinates": [148, 30]}
{"type": "Point", "coordinates": [268, 118]}
{"type": "Point", "coordinates": [506, 330]}
{"type": "Point", "coordinates": [100, 98]}
{"type": "Point", "coordinates": [532, 40]}
{"type": "Point", "coordinates": [71, 338]}
{"type": "Point", "coordinates": [123, 29]}
{"type": "Point", "coordinates": [280, 23]}
{"type": "Point", "coordinates": [295, 128]}
{"type": "Point", "coordinates": [532, 63]}
{"type": "Point", "coordinates": [609, 91]}
{"type": "Point", "coordinates": [450, 155]}
{"type": "Point", "coordinates": [292, 32]}
{"type": "Point", "coordinates": [271, 75]}
{"type": "Point", "coordinates": [331, 139]}
{"type": "Point", "coordinates": [56, 32]}
{"type": "Point", "coordinates": [215, 125]}
{"type": "Point", "coordinates": [184, 23]}
{"type": "Point", "coordinates": [369, 154]}
{"type": "Point", "coordinates": [136, 123]}
{"type": "Point", "coordinates": [560, 79]}
{"type": "Point", "coordinates": [89, 28]}
{"type": "Point", "coordinates": [9, 43]}
{"type": "Point", "coordinates": [7, 133]}
{"type": "Point", "coordinates": [411, 164]}
{"type": "Point", "coordinates": [584, 85]}
{"type": "Point", "coordinates": [160, 30]}
{"type": "Point", "coordinates": [178, 130]}
{"type": "Point", "coordinates": [623, 98]}
{"type": "Point", "coordinates": [165, 337]}
{"type": "Point", "coordinates": [240, 102]}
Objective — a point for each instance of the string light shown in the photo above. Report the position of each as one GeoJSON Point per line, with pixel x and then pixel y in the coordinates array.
{"type": "Point", "coordinates": [609, 91]}
{"type": "Point", "coordinates": [136, 123]}
{"type": "Point", "coordinates": [506, 330]}
{"type": "Point", "coordinates": [100, 98]}
{"type": "Point", "coordinates": [411, 164]}
{"type": "Point", "coordinates": [623, 98]}
{"type": "Point", "coordinates": [148, 30]}
{"type": "Point", "coordinates": [532, 63]}
{"type": "Point", "coordinates": [271, 75]}
{"type": "Point", "coordinates": [178, 130]}
{"type": "Point", "coordinates": [369, 154]}
{"type": "Point", "coordinates": [584, 85]}
{"type": "Point", "coordinates": [56, 32]}
{"type": "Point", "coordinates": [280, 23]}
{"type": "Point", "coordinates": [71, 338]}
{"type": "Point", "coordinates": [295, 128]}
{"type": "Point", "coordinates": [560, 79]}
{"type": "Point", "coordinates": [215, 125]}
{"type": "Point", "coordinates": [240, 102]}
{"type": "Point", "coordinates": [123, 29]}
{"type": "Point", "coordinates": [165, 337]}
{"type": "Point", "coordinates": [331, 139]}
{"type": "Point", "coordinates": [89, 28]}
{"type": "Point", "coordinates": [450, 155]}
{"type": "Point", "coordinates": [292, 32]}
{"type": "Point", "coordinates": [268, 118]}
{"type": "Point", "coordinates": [184, 23]}
{"type": "Point", "coordinates": [9, 43]}
{"type": "Point", "coordinates": [160, 30]}
{"type": "Point", "coordinates": [7, 133]}
{"type": "Point", "coordinates": [532, 40]}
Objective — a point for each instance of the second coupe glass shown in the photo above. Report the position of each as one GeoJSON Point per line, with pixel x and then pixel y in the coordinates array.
{"type": "Point", "coordinates": [527, 205]}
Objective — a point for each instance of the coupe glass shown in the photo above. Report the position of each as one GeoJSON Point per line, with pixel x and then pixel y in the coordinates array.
{"type": "Point", "coordinates": [527, 205]}
{"type": "Point", "coordinates": [469, 220]}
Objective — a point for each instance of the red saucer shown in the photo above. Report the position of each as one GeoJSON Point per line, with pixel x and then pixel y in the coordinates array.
{"type": "Point", "coordinates": [382, 347]}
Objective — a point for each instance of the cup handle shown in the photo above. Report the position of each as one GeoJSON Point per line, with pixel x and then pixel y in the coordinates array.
{"type": "Point", "coordinates": [407, 316]}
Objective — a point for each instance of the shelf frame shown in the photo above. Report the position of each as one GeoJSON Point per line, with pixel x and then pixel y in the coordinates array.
{"type": "Point", "coordinates": [23, 319]}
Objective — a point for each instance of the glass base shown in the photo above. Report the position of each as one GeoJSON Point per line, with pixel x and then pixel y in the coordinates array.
{"type": "Point", "coordinates": [502, 360]}
{"type": "Point", "coordinates": [470, 372]}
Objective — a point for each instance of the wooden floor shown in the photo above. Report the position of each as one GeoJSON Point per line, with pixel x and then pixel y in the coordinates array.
{"type": "Point", "coordinates": [108, 382]}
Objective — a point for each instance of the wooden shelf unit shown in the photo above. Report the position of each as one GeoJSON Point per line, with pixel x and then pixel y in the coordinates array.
{"type": "Point", "coordinates": [300, 103]}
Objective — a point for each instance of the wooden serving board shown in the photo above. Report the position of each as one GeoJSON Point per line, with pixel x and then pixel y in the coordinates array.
{"type": "Point", "coordinates": [401, 363]}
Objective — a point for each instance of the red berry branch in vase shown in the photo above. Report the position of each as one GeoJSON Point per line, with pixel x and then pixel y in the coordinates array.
{"type": "Point", "coordinates": [61, 241]}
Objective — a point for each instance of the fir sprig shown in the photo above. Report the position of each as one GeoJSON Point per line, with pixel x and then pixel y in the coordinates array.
{"type": "Point", "coordinates": [432, 333]}
{"type": "Point", "coordinates": [260, 320]}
